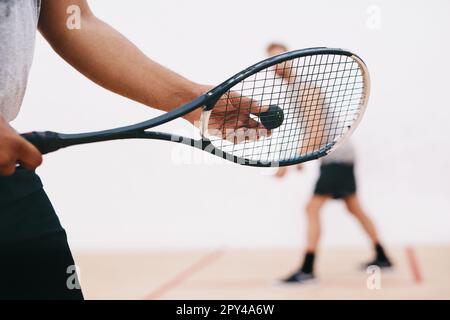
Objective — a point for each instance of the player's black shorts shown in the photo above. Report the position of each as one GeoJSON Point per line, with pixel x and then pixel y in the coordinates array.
{"type": "Point", "coordinates": [336, 180]}
{"type": "Point", "coordinates": [35, 259]}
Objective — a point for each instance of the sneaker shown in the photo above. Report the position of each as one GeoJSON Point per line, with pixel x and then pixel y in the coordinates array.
{"type": "Point", "coordinates": [299, 277]}
{"type": "Point", "coordinates": [381, 263]}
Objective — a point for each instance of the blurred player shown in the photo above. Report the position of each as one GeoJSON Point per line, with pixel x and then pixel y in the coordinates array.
{"type": "Point", "coordinates": [336, 181]}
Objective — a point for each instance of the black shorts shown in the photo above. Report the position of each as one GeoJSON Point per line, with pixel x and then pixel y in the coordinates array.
{"type": "Point", "coordinates": [336, 180]}
{"type": "Point", "coordinates": [35, 259]}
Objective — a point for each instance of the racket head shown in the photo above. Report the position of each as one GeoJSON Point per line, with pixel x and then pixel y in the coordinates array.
{"type": "Point", "coordinates": [323, 93]}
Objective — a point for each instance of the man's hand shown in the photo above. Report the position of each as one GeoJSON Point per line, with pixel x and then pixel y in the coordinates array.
{"type": "Point", "coordinates": [16, 150]}
{"type": "Point", "coordinates": [230, 118]}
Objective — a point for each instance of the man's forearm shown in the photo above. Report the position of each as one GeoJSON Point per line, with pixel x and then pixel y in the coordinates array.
{"type": "Point", "coordinates": [106, 57]}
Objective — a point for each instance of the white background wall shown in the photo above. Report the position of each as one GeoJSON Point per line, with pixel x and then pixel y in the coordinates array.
{"type": "Point", "coordinates": [140, 194]}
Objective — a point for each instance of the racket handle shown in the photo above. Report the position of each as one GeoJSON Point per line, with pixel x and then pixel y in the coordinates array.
{"type": "Point", "coordinates": [45, 142]}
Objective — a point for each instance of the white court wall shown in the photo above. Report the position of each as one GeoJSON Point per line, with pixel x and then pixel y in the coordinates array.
{"type": "Point", "coordinates": [148, 194]}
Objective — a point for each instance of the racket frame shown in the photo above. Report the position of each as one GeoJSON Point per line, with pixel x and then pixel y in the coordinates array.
{"type": "Point", "coordinates": [48, 141]}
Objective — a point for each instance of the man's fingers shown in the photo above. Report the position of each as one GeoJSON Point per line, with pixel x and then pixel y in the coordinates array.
{"type": "Point", "coordinates": [253, 106]}
{"type": "Point", "coordinates": [236, 136]}
{"type": "Point", "coordinates": [257, 130]}
{"type": "Point", "coordinates": [263, 131]}
{"type": "Point", "coordinates": [246, 104]}
{"type": "Point", "coordinates": [252, 123]}
{"type": "Point", "coordinates": [14, 149]}
{"type": "Point", "coordinates": [232, 117]}
{"type": "Point", "coordinates": [28, 156]}
{"type": "Point", "coordinates": [7, 170]}
{"type": "Point", "coordinates": [245, 134]}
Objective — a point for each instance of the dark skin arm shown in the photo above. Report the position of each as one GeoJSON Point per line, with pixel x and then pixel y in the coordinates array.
{"type": "Point", "coordinates": [106, 57]}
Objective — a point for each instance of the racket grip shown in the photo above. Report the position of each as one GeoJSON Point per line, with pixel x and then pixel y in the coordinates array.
{"type": "Point", "coordinates": [45, 142]}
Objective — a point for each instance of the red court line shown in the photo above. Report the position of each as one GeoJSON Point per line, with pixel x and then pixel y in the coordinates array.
{"type": "Point", "coordinates": [185, 274]}
{"type": "Point", "coordinates": [414, 264]}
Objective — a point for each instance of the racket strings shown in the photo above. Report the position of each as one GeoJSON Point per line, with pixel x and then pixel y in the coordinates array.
{"type": "Point", "coordinates": [320, 95]}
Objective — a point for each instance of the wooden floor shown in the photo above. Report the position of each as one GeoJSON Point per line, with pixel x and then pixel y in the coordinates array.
{"type": "Point", "coordinates": [420, 273]}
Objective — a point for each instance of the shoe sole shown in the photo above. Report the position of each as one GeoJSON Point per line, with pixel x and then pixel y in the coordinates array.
{"type": "Point", "coordinates": [281, 283]}
{"type": "Point", "coordinates": [383, 269]}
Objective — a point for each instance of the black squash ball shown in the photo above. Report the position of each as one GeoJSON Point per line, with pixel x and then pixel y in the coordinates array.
{"type": "Point", "coordinates": [272, 118]}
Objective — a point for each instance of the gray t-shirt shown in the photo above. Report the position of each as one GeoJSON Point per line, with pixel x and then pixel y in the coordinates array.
{"type": "Point", "coordinates": [18, 24]}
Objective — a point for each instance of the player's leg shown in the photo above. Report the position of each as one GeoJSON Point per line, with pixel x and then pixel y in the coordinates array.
{"type": "Point", "coordinates": [306, 271]}
{"type": "Point", "coordinates": [312, 211]}
{"type": "Point", "coordinates": [354, 207]}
